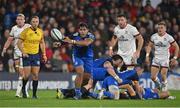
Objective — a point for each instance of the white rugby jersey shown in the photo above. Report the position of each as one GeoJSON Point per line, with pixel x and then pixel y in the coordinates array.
{"type": "Point", "coordinates": [162, 44]}
{"type": "Point", "coordinates": [15, 32]}
{"type": "Point", "coordinates": [126, 39]}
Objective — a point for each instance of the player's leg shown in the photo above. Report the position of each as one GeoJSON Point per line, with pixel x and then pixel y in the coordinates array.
{"type": "Point", "coordinates": [113, 89]}
{"type": "Point", "coordinates": [35, 73]}
{"type": "Point", "coordinates": [130, 90]}
{"type": "Point", "coordinates": [65, 93]}
{"type": "Point", "coordinates": [35, 68]}
{"type": "Point", "coordinates": [26, 73]}
{"type": "Point", "coordinates": [18, 70]}
{"type": "Point", "coordinates": [164, 71]}
{"type": "Point", "coordinates": [154, 76]}
{"type": "Point", "coordinates": [78, 81]}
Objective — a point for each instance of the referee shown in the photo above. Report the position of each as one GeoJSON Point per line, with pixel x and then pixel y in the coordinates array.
{"type": "Point", "coordinates": [31, 39]}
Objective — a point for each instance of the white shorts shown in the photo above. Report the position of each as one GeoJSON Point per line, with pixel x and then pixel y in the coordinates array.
{"type": "Point", "coordinates": [18, 56]}
{"type": "Point", "coordinates": [160, 62]}
{"type": "Point", "coordinates": [128, 60]}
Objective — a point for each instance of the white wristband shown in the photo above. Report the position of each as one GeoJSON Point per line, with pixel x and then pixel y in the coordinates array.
{"type": "Point", "coordinates": [116, 77]}
{"type": "Point", "coordinates": [175, 57]}
{"type": "Point", "coordinates": [147, 54]}
{"type": "Point", "coordinates": [110, 47]}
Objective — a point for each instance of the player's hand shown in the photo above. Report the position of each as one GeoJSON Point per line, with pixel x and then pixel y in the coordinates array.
{"type": "Point", "coordinates": [44, 58]}
{"type": "Point", "coordinates": [119, 80]}
{"type": "Point", "coordinates": [173, 62]}
{"type": "Point", "coordinates": [68, 40]}
{"type": "Point", "coordinates": [136, 54]}
{"type": "Point", "coordinates": [3, 52]}
{"type": "Point", "coordinates": [56, 44]}
{"type": "Point", "coordinates": [25, 55]}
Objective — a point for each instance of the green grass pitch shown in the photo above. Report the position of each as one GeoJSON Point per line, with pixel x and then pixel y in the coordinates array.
{"type": "Point", "coordinates": [47, 99]}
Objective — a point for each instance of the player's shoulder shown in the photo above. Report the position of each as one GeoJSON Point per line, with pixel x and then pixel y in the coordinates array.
{"type": "Point", "coordinates": [26, 29]}
{"type": "Point", "coordinates": [129, 26]}
{"type": "Point", "coordinates": [116, 27]}
{"type": "Point", "coordinates": [168, 35]}
{"type": "Point", "coordinates": [14, 27]}
{"type": "Point", "coordinates": [39, 29]}
{"type": "Point", "coordinates": [26, 25]}
{"type": "Point", "coordinates": [154, 35]}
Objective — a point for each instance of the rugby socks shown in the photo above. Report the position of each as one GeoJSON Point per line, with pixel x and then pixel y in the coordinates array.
{"type": "Point", "coordinates": [35, 85]}
{"type": "Point", "coordinates": [24, 87]}
{"type": "Point", "coordinates": [19, 87]}
{"type": "Point", "coordinates": [77, 93]}
{"type": "Point", "coordinates": [164, 85]}
{"type": "Point", "coordinates": [157, 83]}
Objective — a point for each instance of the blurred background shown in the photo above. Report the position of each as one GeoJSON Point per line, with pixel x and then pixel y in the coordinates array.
{"type": "Point", "coordinates": [100, 16]}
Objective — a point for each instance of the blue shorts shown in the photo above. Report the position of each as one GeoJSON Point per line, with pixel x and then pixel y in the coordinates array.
{"type": "Point", "coordinates": [32, 60]}
{"type": "Point", "coordinates": [87, 63]}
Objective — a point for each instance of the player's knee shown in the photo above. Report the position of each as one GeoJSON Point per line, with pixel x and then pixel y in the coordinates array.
{"type": "Point", "coordinates": [115, 91]}
{"type": "Point", "coordinates": [35, 76]}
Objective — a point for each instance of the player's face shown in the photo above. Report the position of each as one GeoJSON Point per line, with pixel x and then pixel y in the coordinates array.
{"type": "Point", "coordinates": [122, 22]}
{"type": "Point", "coordinates": [117, 63]}
{"type": "Point", "coordinates": [20, 21]}
{"type": "Point", "coordinates": [161, 29]}
{"type": "Point", "coordinates": [83, 31]}
{"type": "Point", "coordinates": [35, 22]}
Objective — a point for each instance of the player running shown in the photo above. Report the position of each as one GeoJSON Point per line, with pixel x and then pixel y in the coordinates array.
{"type": "Point", "coordinates": [14, 35]}
{"type": "Point", "coordinates": [161, 41]}
{"type": "Point", "coordinates": [126, 36]}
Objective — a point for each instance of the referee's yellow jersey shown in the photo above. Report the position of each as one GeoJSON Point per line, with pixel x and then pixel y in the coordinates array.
{"type": "Point", "coordinates": [31, 40]}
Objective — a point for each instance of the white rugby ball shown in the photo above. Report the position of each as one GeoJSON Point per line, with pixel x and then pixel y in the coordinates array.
{"type": "Point", "coordinates": [56, 34]}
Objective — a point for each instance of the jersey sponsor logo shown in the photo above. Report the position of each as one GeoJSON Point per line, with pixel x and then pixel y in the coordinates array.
{"type": "Point", "coordinates": [160, 44]}
{"type": "Point", "coordinates": [122, 38]}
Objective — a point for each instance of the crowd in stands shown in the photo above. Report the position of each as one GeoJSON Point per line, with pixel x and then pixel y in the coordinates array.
{"type": "Point", "coordinates": [100, 15]}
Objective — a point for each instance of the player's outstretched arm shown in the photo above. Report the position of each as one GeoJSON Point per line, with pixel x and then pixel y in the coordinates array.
{"type": "Point", "coordinates": [140, 40]}
{"type": "Point", "coordinates": [85, 42]}
{"type": "Point", "coordinates": [148, 50]}
{"type": "Point", "coordinates": [112, 44]}
{"type": "Point", "coordinates": [42, 46]}
{"type": "Point", "coordinates": [111, 71]}
{"type": "Point", "coordinates": [6, 45]}
{"type": "Point", "coordinates": [176, 53]}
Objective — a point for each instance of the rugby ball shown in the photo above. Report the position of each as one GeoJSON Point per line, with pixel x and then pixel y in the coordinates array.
{"type": "Point", "coordinates": [56, 34]}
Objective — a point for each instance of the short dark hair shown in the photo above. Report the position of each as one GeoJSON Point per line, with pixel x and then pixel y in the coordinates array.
{"type": "Point", "coordinates": [34, 17]}
{"type": "Point", "coordinates": [117, 57]}
{"type": "Point", "coordinates": [162, 23]}
{"type": "Point", "coordinates": [122, 15]}
{"type": "Point", "coordinates": [82, 24]}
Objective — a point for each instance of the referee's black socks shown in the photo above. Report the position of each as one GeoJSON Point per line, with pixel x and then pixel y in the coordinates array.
{"type": "Point", "coordinates": [35, 85]}
{"type": "Point", "coordinates": [24, 87]}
